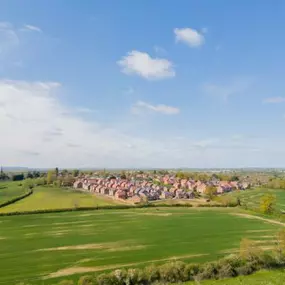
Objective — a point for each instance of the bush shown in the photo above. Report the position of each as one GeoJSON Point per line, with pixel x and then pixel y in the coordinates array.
{"type": "Point", "coordinates": [86, 280]}
{"type": "Point", "coordinates": [190, 271]}
{"type": "Point", "coordinates": [106, 279]}
{"type": "Point", "coordinates": [172, 272]}
{"type": "Point", "coordinates": [152, 273]}
{"type": "Point", "coordinates": [208, 271]}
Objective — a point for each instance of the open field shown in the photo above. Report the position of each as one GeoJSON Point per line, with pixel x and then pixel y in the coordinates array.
{"type": "Point", "coordinates": [10, 190]}
{"type": "Point", "coordinates": [45, 248]}
{"type": "Point", "coordinates": [56, 198]}
{"type": "Point", "coordinates": [252, 197]}
{"type": "Point", "coordinates": [259, 278]}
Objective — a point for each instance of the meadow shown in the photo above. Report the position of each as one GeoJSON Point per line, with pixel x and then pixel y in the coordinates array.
{"type": "Point", "coordinates": [44, 198]}
{"type": "Point", "coordinates": [275, 277]}
{"type": "Point", "coordinates": [46, 248]}
{"type": "Point", "coordinates": [10, 190]}
{"type": "Point", "coordinates": [252, 197]}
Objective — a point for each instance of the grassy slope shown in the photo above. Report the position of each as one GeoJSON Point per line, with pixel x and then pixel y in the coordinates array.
{"type": "Point", "coordinates": [259, 278]}
{"type": "Point", "coordinates": [10, 190]}
{"type": "Point", "coordinates": [137, 236]}
{"type": "Point", "coordinates": [252, 197]}
{"type": "Point", "coordinates": [54, 198]}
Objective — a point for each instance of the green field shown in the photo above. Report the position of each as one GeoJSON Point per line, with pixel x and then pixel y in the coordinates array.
{"type": "Point", "coordinates": [55, 198]}
{"type": "Point", "coordinates": [259, 278]}
{"type": "Point", "coordinates": [45, 248]}
{"type": "Point", "coordinates": [252, 197]}
{"type": "Point", "coordinates": [10, 190]}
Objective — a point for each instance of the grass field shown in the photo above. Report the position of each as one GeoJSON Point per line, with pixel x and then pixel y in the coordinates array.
{"type": "Point", "coordinates": [259, 278]}
{"type": "Point", "coordinates": [252, 197]}
{"type": "Point", "coordinates": [45, 248]}
{"type": "Point", "coordinates": [10, 190]}
{"type": "Point", "coordinates": [56, 198]}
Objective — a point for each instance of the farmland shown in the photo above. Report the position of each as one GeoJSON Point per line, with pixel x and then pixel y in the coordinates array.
{"type": "Point", "coordinates": [52, 198]}
{"type": "Point", "coordinates": [252, 197]}
{"type": "Point", "coordinates": [64, 245]}
{"type": "Point", "coordinates": [10, 190]}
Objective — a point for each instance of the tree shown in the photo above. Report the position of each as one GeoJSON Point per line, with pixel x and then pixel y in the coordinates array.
{"type": "Point", "coordinates": [211, 192]}
{"type": "Point", "coordinates": [267, 204]}
{"type": "Point", "coordinates": [248, 249]}
{"type": "Point", "coordinates": [50, 177]}
{"type": "Point", "coordinates": [18, 177]}
{"type": "Point", "coordinates": [56, 171]}
{"type": "Point", "coordinates": [30, 175]}
{"type": "Point", "coordinates": [75, 172]}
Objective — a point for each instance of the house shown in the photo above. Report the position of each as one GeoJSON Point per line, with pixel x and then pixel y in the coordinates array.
{"type": "Point", "coordinates": [78, 184]}
{"type": "Point", "coordinates": [166, 195]}
{"type": "Point", "coordinates": [121, 194]}
{"type": "Point", "coordinates": [201, 187]}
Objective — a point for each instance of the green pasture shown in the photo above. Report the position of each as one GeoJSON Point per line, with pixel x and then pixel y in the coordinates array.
{"type": "Point", "coordinates": [252, 197]}
{"type": "Point", "coordinates": [259, 278]}
{"type": "Point", "coordinates": [46, 248]}
{"type": "Point", "coordinates": [10, 190]}
{"type": "Point", "coordinates": [54, 198]}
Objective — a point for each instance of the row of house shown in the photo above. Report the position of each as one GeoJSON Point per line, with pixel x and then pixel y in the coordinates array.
{"type": "Point", "coordinates": [163, 188]}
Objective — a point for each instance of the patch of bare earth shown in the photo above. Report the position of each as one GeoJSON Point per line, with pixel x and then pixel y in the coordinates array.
{"type": "Point", "coordinates": [126, 248]}
{"type": "Point", "coordinates": [258, 218]}
{"type": "Point", "coordinates": [77, 270]}
{"type": "Point", "coordinates": [107, 246]}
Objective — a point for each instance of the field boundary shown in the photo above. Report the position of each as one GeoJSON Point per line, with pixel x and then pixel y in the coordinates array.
{"type": "Point", "coordinates": [110, 207]}
{"type": "Point", "coordinates": [16, 199]}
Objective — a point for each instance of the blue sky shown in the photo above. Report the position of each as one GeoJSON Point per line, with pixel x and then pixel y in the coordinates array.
{"type": "Point", "coordinates": [142, 83]}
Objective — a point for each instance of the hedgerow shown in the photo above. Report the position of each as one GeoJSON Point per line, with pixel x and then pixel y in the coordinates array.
{"type": "Point", "coordinates": [178, 271]}
{"type": "Point", "coordinates": [16, 199]}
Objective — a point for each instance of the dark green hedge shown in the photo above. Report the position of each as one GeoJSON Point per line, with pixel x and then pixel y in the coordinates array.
{"type": "Point", "coordinates": [9, 202]}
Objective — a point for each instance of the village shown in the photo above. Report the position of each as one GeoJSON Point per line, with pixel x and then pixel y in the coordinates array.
{"type": "Point", "coordinates": [138, 189]}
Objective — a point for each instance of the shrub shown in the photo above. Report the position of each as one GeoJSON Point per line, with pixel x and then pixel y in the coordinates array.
{"type": "Point", "coordinates": [106, 279]}
{"type": "Point", "coordinates": [172, 272]}
{"type": "Point", "coordinates": [208, 271]}
{"type": "Point", "coordinates": [190, 271]}
{"type": "Point", "coordinates": [135, 276]}
{"type": "Point", "coordinates": [86, 280]}
{"type": "Point", "coordinates": [152, 273]}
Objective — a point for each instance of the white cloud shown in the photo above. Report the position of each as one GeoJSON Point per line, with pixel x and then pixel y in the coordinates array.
{"type": "Point", "coordinates": [163, 109]}
{"type": "Point", "coordinates": [275, 100]}
{"type": "Point", "coordinates": [32, 28]}
{"type": "Point", "coordinates": [189, 36]}
{"type": "Point", "coordinates": [142, 64]}
{"type": "Point", "coordinates": [37, 130]}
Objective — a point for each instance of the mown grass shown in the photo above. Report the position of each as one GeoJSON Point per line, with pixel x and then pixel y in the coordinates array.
{"type": "Point", "coordinates": [251, 198]}
{"type": "Point", "coordinates": [10, 190]}
{"type": "Point", "coordinates": [45, 197]}
{"type": "Point", "coordinates": [32, 247]}
{"type": "Point", "coordinates": [259, 278]}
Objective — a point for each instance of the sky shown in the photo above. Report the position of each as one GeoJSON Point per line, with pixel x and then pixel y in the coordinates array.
{"type": "Point", "coordinates": [142, 84]}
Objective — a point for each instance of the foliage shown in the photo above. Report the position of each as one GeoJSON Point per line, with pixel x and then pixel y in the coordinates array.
{"type": "Point", "coordinates": [211, 192]}
{"type": "Point", "coordinates": [75, 172]}
{"type": "Point", "coordinates": [51, 177]}
{"type": "Point", "coordinates": [17, 177]}
{"type": "Point", "coordinates": [267, 204]}
{"type": "Point", "coordinates": [86, 280]}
